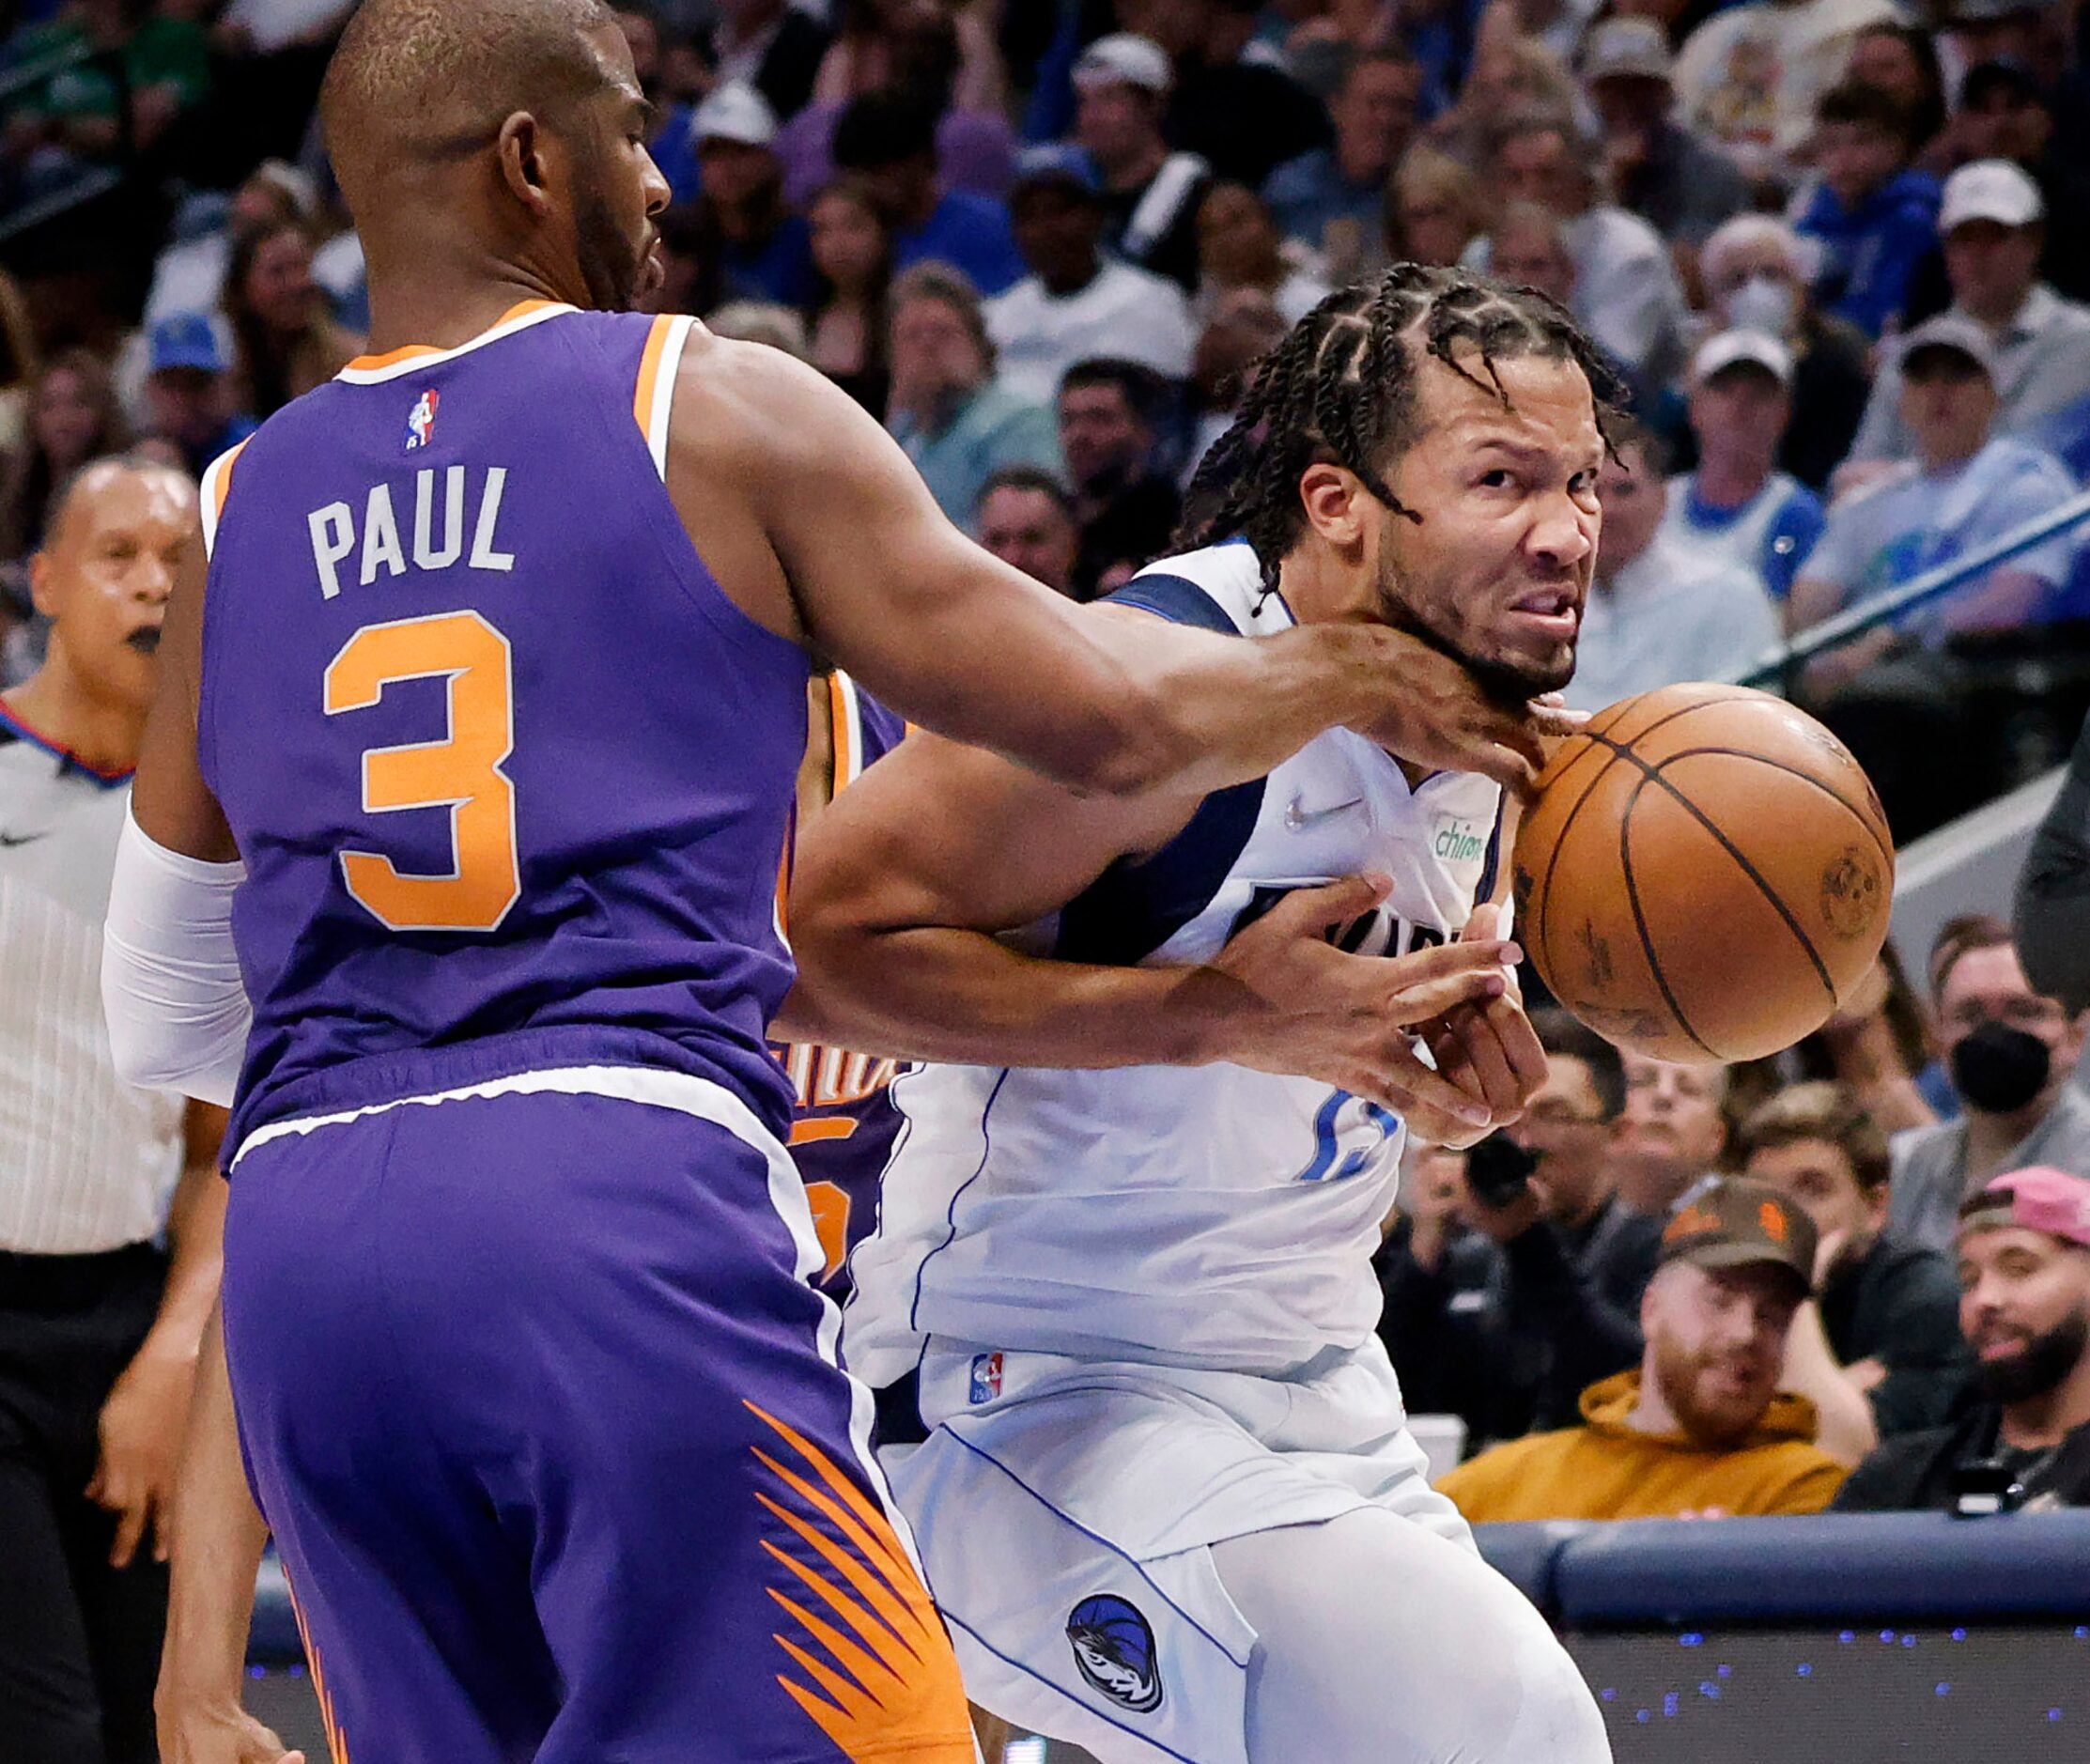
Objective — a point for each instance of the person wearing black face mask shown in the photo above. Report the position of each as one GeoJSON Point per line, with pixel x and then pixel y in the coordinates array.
{"type": "Point", "coordinates": [2024, 1305]}
{"type": "Point", "coordinates": [2012, 1054]}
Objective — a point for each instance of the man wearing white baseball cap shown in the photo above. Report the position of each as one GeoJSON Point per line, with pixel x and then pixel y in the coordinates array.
{"type": "Point", "coordinates": [1149, 195]}
{"type": "Point", "coordinates": [1737, 505]}
{"type": "Point", "coordinates": [1992, 224]}
{"type": "Point", "coordinates": [768, 249]}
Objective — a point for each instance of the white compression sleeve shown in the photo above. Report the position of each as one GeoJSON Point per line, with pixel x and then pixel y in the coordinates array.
{"type": "Point", "coordinates": [171, 990]}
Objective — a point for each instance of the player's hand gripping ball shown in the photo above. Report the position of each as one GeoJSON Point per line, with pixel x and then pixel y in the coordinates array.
{"type": "Point", "coordinates": [1705, 875]}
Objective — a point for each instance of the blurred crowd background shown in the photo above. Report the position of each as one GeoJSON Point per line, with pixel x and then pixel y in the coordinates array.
{"type": "Point", "coordinates": [1839, 250]}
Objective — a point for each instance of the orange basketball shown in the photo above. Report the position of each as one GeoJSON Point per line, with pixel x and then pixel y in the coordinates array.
{"type": "Point", "coordinates": [1705, 874]}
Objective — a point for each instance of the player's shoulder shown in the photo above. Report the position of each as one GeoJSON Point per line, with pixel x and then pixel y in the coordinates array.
{"type": "Point", "coordinates": [1216, 587]}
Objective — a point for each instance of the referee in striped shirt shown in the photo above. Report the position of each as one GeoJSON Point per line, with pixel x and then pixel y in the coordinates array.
{"type": "Point", "coordinates": [111, 1206]}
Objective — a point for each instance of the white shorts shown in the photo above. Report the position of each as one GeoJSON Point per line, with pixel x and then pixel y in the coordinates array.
{"type": "Point", "coordinates": [1067, 1512]}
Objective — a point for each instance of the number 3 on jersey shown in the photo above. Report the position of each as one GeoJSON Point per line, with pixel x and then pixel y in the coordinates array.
{"type": "Point", "coordinates": [461, 773]}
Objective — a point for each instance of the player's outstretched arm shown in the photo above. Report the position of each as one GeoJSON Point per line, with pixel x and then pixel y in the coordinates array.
{"type": "Point", "coordinates": [904, 880]}
{"type": "Point", "coordinates": [822, 530]}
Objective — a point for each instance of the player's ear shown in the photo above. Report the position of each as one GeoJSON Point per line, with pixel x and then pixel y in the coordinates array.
{"type": "Point", "coordinates": [40, 582]}
{"type": "Point", "coordinates": [520, 146]}
{"type": "Point", "coordinates": [1334, 500]}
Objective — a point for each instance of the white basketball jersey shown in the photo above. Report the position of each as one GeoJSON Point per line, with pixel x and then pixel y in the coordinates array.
{"type": "Point", "coordinates": [1208, 1217]}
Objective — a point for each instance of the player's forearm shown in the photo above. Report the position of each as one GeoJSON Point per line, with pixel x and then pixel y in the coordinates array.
{"type": "Point", "coordinates": [219, 1538]}
{"type": "Point", "coordinates": [195, 1225]}
{"type": "Point", "coordinates": [964, 998]}
{"type": "Point", "coordinates": [1226, 710]}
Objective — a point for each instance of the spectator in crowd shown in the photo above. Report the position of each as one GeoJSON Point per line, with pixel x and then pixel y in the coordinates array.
{"type": "Point", "coordinates": [1901, 60]}
{"type": "Point", "coordinates": [774, 45]}
{"type": "Point", "coordinates": [189, 391]}
{"type": "Point", "coordinates": [1528, 248]}
{"type": "Point", "coordinates": [1672, 1132]}
{"type": "Point", "coordinates": [852, 260]}
{"type": "Point", "coordinates": [20, 357]}
{"type": "Point", "coordinates": [1128, 511]}
{"type": "Point", "coordinates": [890, 140]}
{"type": "Point", "coordinates": [285, 341]}
{"type": "Point", "coordinates": [1244, 326]}
{"type": "Point", "coordinates": [2005, 114]}
{"type": "Point", "coordinates": [1445, 1315]}
{"type": "Point", "coordinates": [1880, 1350]}
{"type": "Point", "coordinates": [1435, 207]}
{"type": "Point", "coordinates": [1878, 1045]}
{"type": "Point", "coordinates": [2012, 1053]}
{"type": "Point", "coordinates": [692, 260]}
{"type": "Point", "coordinates": [1239, 247]}
{"type": "Point", "coordinates": [956, 423]}
{"type": "Point", "coordinates": [1873, 215]}
{"type": "Point", "coordinates": [2024, 1282]}
{"type": "Point", "coordinates": [189, 276]}
{"type": "Point", "coordinates": [1756, 270]}
{"type": "Point", "coordinates": [1660, 609]}
{"type": "Point", "coordinates": [922, 59]}
{"type": "Point", "coordinates": [1577, 1257]}
{"type": "Point", "coordinates": [1736, 505]}
{"type": "Point", "coordinates": [100, 1326]}
{"type": "Point", "coordinates": [1993, 226]}
{"type": "Point", "coordinates": [2053, 909]}
{"type": "Point", "coordinates": [1217, 86]}
{"type": "Point", "coordinates": [1027, 519]}
{"type": "Point", "coordinates": [1074, 304]}
{"type": "Point", "coordinates": [1672, 177]}
{"type": "Point", "coordinates": [768, 254]}
{"type": "Point", "coordinates": [764, 322]}
{"type": "Point", "coordinates": [1967, 485]}
{"type": "Point", "coordinates": [1150, 194]}
{"type": "Point", "coordinates": [1701, 1429]}
{"type": "Point", "coordinates": [1510, 76]}
{"type": "Point", "coordinates": [1626, 297]}
{"type": "Point", "coordinates": [74, 418]}
{"type": "Point", "coordinates": [1332, 199]}
{"type": "Point", "coordinates": [871, 40]}
{"type": "Point", "coordinates": [1751, 76]}
{"type": "Point", "coordinates": [131, 57]}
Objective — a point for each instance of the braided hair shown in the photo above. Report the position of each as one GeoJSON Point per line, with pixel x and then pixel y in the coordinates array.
{"type": "Point", "coordinates": [1340, 389]}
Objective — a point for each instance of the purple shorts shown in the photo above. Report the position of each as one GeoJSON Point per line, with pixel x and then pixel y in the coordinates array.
{"type": "Point", "coordinates": [548, 1427]}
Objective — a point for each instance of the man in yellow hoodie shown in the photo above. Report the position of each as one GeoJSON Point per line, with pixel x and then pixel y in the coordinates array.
{"type": "Point", "coordinates": [1701, 1428]}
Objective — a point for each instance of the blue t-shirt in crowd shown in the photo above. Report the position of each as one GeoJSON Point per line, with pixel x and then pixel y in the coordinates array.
{"type": "Point", "coordinates": [1308, 193]}
{"type": "Point", "coordinates": [1880, 538]}
{"type": "Point", "coordinates": [1870, 254]}
{"type": "Point", "coordinates": [676, 152]}
{"type": "Point", "coordinates": [970, 233]}
{"type": "Point", "coordinates": [781, 270]}
{"type": "Point", "coordinates": [1769, 535]}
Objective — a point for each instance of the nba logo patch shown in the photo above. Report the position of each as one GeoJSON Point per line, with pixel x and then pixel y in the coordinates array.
{"type": "Point", "coordinates": [986, 1378]}
{"type": "Point", "coordinates": [1114, 1647]}
{"type": "Point", "coordinates": [421, 420]}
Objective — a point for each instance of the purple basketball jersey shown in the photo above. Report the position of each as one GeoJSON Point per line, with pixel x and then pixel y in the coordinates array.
{"type": "Point", "coordinates": [844, 1122]}
{"type": "Point", "coordinates": [502, 758]}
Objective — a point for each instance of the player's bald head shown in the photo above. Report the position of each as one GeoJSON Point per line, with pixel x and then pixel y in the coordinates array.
{"type": "Point", "coordinates": [417, 83]}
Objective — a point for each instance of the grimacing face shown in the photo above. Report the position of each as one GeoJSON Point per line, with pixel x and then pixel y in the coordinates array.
{"type": "Point", "coordinates": [1497, 569]}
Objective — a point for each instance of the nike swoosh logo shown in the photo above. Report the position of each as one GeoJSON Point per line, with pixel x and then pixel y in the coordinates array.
{"type": "Point", "coordinates": [9, 841]}
{"type": "Point", "coordinates": [1298, 817]}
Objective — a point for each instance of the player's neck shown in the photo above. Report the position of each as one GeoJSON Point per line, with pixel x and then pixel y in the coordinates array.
{"type": "Point", "coordinates": [57, 707]}
{"type": "Point", "coordinates": [444, 308]}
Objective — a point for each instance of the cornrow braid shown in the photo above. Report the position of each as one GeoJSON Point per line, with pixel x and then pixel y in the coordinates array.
{"type": "Point", "coordinates": [1340, 390]}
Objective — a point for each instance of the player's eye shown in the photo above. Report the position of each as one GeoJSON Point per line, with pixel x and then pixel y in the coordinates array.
{"type": "Point", "coordinates": [1499, 478]}
{"type": "Point", "coordinates": [1582, 484]}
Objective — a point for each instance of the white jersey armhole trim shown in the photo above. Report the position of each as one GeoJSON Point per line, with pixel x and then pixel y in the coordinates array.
{"type": "Point", "coordinates": [216, 486]}
{"type": "Point", "coordinates": [675, 338]}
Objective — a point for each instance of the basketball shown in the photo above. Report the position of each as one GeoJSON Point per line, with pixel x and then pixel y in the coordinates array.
{"type": "Point", "coordinates": [1704, 873]}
